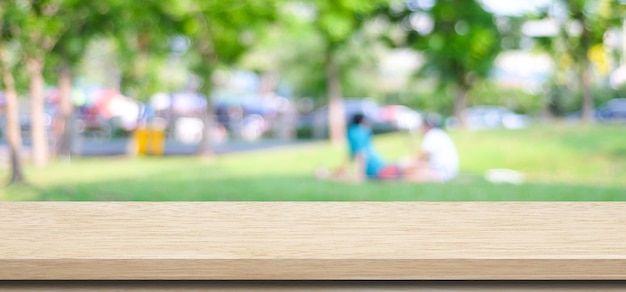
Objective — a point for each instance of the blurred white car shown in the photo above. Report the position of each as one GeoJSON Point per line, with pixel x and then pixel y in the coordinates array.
{"type": "Point", "coordinates": [189, 131]}
{"type": "Point", "coordinates": [402, 117]}
{"type": "Point", "coordinates": [490, 117]}
{"type": "Point", "coordinates": [253, 127]}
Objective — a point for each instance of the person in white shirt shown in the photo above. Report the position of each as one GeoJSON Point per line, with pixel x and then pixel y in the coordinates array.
{"type": "Point", "coordinates": [438, 160]}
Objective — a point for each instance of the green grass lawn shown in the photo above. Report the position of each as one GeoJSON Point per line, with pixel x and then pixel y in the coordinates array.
{"type": "Point", "coordinates": [560, 163]}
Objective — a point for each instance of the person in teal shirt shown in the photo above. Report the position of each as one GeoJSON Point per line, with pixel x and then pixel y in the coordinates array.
{"type": "Point", "coordinates": [359, 137]}
{"type": "Point", "coordinates": [368, 162]}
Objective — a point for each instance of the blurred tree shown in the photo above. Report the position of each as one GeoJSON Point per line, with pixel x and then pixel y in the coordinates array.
{"type": "Point", "coordinates": [337, 22]}
{"type": "Point", "coordinates": [511, 31]}
{"type": "Point", "coordinates": [459, 41]}
{"type": "Point", "coordinates": [582, 27]}
{"type": "Point", "coordinates": [489, 93]}
{"type": "Point", "coordinates": [40, 25]}
{"type": "Point", "coordinates": [143, 33]}
{"type": "Point", "coordinates": [290, 47]}
{"type": "Point", "coordinates": [581, 32]}
{"type": "Point", "coordinates": [295, 48]}
{"type": "Point", "coordinates": [319, 47]}
{"type": "Point", "coordinates": [219, 33]}
{"type": "Point", "coordinates": [14, 136]}
{"type": "Point", "coordinates": [89, 20]}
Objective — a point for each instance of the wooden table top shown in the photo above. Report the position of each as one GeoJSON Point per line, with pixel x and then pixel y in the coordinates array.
{"type": "Point", "coordinates": [312, 241]}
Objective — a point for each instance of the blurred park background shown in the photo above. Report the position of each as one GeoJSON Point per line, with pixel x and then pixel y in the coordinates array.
{"type": "Point", "coordinates": [196, 100]}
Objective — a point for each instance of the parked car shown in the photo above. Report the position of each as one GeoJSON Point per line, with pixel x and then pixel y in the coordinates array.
{"type": "Point", "coordinates": [402, 117]}
{"type": "Point", "coordinates": [243, 116]}
{"type": "Point", "coordinates": [25, 120]}
{"type": "Point", "coordinates": [490, 117]}
{"type": "Point", "coordinates": [613, 111]}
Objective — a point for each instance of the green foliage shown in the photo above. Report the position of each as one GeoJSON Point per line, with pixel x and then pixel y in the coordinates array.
{"type": "Point", "coordinates": [338, 20]}
{"type": "Point", "coordinates": [142, 34]}
{"type": "Point", "coordinates": [564, 100]}
{"type": "Point", "coordinates": [582, 27]}
{"type": "Point", "coordinates": [220, 32]}
{"type": "Point", "coordinates": [462, 43]}
{"type": "Point", "coordinates": [510, 28]}
{"type": "Point", "coordinates": [297, 45]}
{"type": "Point", "coordinates": [360, 65]}
{"type": "Point", "coordinates": [433, 100]}
{"type": "Point", "coordinates": [430, 99]}
{"type": "Point", "coordinates": [61, 30]}
{"type": "Point", "coordinates": [593, 17]}
{"type": "Point", "coordinates": [41, 24]}
{"type": "Point", "coordinates": [518, 100]}
{"type": "Point", "coordinates": [293, 48]}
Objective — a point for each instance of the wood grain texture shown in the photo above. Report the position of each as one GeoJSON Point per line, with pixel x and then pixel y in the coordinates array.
{"type": "Point", "coordinates": [312, 241]}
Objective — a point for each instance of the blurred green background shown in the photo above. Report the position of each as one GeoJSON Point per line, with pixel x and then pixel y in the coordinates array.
{"type": "Point", "coordinates": [243, 100]}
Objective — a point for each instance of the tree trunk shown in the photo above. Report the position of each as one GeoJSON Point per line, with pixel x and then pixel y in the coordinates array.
{"type": "Point", "coordinates": [336, 115]}
{"type": "Point", "coordinates": [14, 135]}
{"type": "Point", "coordinates": [460, 103]}
{"type": "Point", "coordinates": [65, 119]}
{"type": "Point", "coordinates": [205, 149]}
{"type": "Point", "coordinates": [585, 71]}
{"type": "Point", "coordinates": [585, 83]}
{"type": "Point", "coordinates": [38, 127]}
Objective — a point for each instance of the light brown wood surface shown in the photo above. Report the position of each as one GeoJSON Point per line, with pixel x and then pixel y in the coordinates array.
{"type": "Point", "coordinates": [312, 241]}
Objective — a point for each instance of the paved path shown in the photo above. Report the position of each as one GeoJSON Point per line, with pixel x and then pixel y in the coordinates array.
{"type": "Point", "coordinates": [117, 147]}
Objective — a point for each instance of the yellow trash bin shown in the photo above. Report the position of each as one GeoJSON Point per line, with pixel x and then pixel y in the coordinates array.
{"type": "Point", "coordinates": [150, 141]}
{"type": "Point", "coordinates": [157, 141]}
{"type": "Point", "coordinates": [141, 139]}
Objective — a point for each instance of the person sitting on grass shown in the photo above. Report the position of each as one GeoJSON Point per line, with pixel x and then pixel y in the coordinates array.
{"type": "Point", "coordinates": [437, 162]}
{"type": "Point", "coordinates": [362, 154]}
